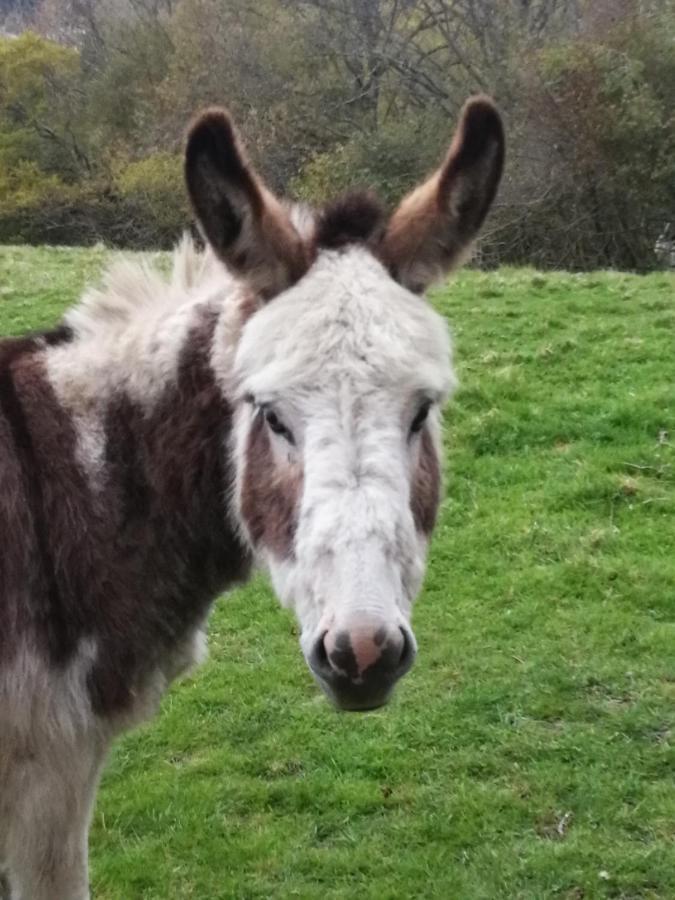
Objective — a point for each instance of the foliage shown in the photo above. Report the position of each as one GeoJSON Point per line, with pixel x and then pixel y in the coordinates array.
{"type": "Point", "coordinates": [529, 754]}
{"type": "Point", "coordinates": [25, 185]}
{"type": "Point", "coordinates": [330, 94]}
{"type": "Point", "coordinates": [606, 111]}
{"type": "Point", "coordinates": [387, 161]}
{"type": "Point", "coordinates": [153, 186]}
{"type": "Point", "coordinates": [37, 105]}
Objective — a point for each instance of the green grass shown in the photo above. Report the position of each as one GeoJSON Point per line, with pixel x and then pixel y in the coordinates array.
{"type": "Point", "coordinates": [529, 754]}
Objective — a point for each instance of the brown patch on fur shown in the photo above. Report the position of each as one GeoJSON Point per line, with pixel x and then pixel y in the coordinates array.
{"type": "Point", "coordinates": [425, 493]}
{"type": "Point", "coordinates": [269, 499]}
{"type": "Point", "coordinates": [17, 557]}
{"type": "Point", "coordinates": [13, 348]}
{"type": "Point", "coordinates": [434, 225]}
{"type": "Point", "coordinates": [356, 218]}
{"type": "Point", "coordinates": [29, 570]}
{"type": "Point", "coordinates": [244, 223]}
{"type": "Point", "coordinates": [135, 565]}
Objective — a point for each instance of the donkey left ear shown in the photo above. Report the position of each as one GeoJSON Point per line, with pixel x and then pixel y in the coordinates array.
{"type": "Point", "coordinates": [243, 222]}
{"type": "Point", "coordinates": [435, 225]}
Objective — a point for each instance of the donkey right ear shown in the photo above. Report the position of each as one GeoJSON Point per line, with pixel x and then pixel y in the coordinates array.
{"type": "Point", "coordinates": [243, 222]}
{"type": "Point", "coordinates": [433, 228]}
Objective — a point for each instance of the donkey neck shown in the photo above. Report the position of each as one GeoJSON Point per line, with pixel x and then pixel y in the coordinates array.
{"type": "Point", "coordinates": [130, 435]}
{"type": "Point", "coordinates": [149, 417]}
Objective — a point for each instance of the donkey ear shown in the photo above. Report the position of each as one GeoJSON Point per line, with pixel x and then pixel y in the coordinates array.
{"type": "Point", "coordinates": [434, 225]}
{"type": "Point", "coordinates": [243, 222]}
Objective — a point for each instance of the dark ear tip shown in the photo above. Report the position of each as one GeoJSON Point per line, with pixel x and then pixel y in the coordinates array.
{"type": "Point", "coordinates": [215, 118]}
{"type": "Point", "coordinates": [480, 116]}
{"type": "Point", "coordinates": [211, 132]}
{"type": "Point", "coordinates": [480, 132]}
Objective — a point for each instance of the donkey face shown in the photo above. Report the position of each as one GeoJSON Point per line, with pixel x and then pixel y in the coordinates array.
{"type": "Point", "coordinates": [340, 381]}
{"type": "Point", "coordinates": [338, 462]}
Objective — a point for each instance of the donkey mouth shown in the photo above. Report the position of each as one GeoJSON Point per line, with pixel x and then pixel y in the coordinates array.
{"type": "Point", "coordinates": [350, 697]}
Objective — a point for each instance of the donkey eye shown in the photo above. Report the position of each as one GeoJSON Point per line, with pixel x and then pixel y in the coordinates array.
{"type": "Point", "coordinates": [420, 418]}
{"type": "Point", "coordinates": [277, 426]}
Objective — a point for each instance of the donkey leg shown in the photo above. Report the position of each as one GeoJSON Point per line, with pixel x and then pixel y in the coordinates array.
{"type": "Point", "coordinates": [48, 840]}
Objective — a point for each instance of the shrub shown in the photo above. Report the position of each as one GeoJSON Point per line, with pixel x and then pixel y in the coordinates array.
{"type": "Point", "coordinates": [604, 126]}
{"type": "Point", "coordinates": [389, 161]}
{"type": "Point", "coordinates": [153, 188]}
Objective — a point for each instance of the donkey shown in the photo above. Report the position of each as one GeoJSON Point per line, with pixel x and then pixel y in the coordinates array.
{"type": "Point", "coordinates": [277, 400]}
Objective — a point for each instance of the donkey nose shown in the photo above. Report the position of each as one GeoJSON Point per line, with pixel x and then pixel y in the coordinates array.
{"type": "Point", "coordinates": [353, 653]}
{"type": "Point", "coordinates": [359, 665]}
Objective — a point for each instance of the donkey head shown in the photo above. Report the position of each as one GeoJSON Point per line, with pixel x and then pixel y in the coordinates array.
{"type": "Point", "coordinates": [341, 373]}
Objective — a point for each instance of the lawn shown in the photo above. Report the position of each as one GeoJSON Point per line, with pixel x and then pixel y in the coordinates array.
{"type": "Point", "coordinates": [531, 751]}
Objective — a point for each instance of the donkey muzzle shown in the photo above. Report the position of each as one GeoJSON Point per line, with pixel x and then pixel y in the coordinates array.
{"type": "Point", "coordinates": [358, 663]}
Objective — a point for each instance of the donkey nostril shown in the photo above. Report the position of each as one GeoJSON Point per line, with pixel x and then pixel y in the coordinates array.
{"type": "Point", "coordinates": [407, 651]}
{"type": "Point", "coordinates": [320, 652]}
{"type": "Point", "coordinates": [363, 658]}
{"type": "Point", "coordinates": [319, 656]}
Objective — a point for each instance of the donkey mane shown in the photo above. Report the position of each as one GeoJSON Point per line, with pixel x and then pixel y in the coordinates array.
{"type": "Point", "coordinates": [132, 291]}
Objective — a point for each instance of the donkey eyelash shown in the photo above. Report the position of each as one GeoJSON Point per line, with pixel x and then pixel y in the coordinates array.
{"type": "Point", "coordinates": [420, 418]}
{"type": "Point", "coordinates": [276, 425]}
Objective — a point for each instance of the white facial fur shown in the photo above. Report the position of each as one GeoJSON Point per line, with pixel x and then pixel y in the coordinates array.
{"type": "Point", "coordinates": [345, 358]}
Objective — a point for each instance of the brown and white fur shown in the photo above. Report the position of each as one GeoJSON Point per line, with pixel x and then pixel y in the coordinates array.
{"type": "Point", "coordinates": [282, 408]}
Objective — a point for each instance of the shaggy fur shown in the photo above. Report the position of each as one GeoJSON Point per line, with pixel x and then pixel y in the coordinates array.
{"type": "Point", "coordinates": [152, 546]}
{"type": "Point", "coordinates": [113, 487]}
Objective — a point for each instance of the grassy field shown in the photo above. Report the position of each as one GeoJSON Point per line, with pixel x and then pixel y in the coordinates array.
{"type": "Point", "coordinates": [531, 752]}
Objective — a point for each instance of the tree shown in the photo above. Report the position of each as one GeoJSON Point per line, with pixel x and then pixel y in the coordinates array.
{"type": "Point", "coordinates": [39, 103]}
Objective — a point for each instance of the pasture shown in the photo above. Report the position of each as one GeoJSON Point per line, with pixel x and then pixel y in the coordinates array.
{"type": "Point", "coordinates": [530, 753]}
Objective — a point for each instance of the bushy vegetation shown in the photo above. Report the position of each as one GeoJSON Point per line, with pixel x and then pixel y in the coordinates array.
{"type": "Point", "coordinates": [95, 96]}
{"type": "Point", "coordinates": [530, 752]}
